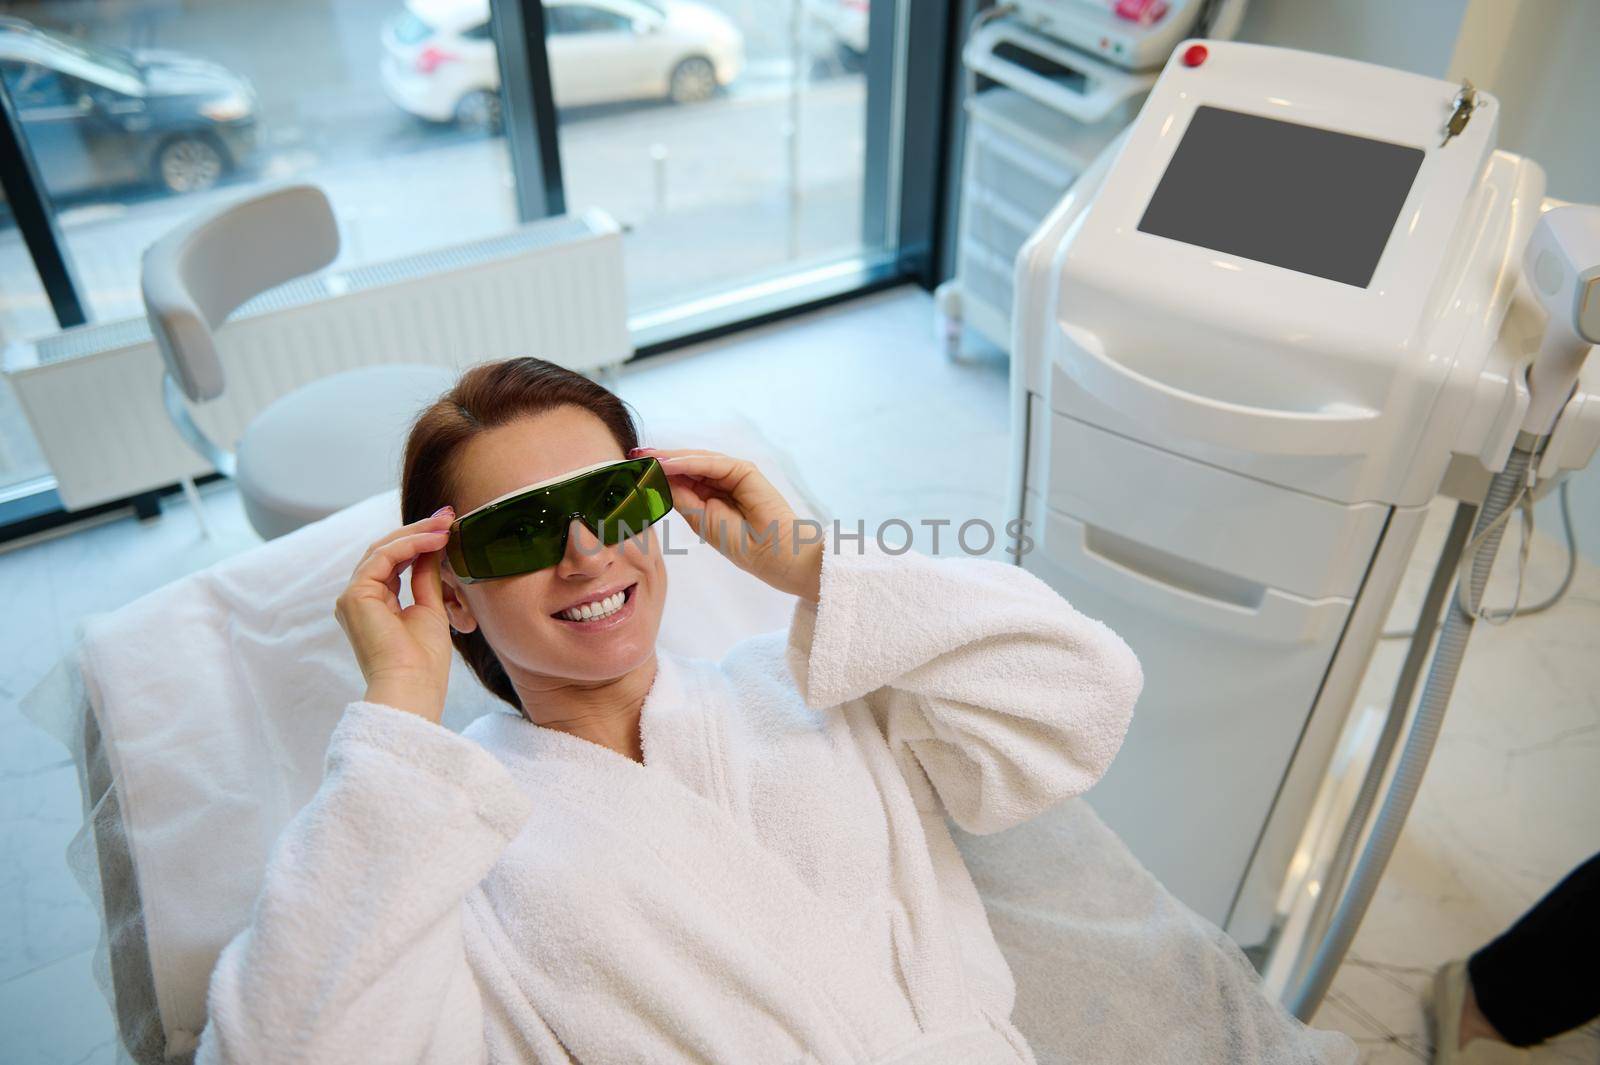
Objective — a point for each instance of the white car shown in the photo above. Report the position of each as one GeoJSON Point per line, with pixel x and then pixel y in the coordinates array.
{"type": "Point", "coordinates": [440, 61]}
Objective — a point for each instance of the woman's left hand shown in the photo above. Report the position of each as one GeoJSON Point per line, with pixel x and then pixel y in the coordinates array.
{"type": "Point", "coordinates": [729, 504]}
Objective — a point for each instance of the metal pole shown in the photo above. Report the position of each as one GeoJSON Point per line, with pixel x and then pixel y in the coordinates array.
{"type": "Point", "coordinates": [528, 107]}
{"type": "Point", "coordinates": [1405, 689]}
{"type": "Point", "coordinates": [658, 166]}
{"type": "Point", "coordinates": [30, 206]}
{"type": "Point", "coordinates": [796, 86]}
{"type": "Point", "coordinates": [1503, 495]}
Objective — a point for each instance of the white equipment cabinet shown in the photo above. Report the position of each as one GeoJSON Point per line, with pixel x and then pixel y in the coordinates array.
{"type": "Point", "coordinates": [1276, 318]}
{"type": "Point", "coordinates": [1047, 89]}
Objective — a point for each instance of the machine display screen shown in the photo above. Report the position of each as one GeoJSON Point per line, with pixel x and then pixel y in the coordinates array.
{"type": "Point", "coordinates": [1294, 196]}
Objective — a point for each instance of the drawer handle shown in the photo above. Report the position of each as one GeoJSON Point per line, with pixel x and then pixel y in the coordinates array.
{"type": "Point", "coordinates": [1180, 574]}
{"type": "Point", "coordinates": [1214, 421]}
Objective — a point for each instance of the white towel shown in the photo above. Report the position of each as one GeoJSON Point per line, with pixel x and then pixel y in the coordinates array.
{"type": "Point", "coordinates": [775, 884]}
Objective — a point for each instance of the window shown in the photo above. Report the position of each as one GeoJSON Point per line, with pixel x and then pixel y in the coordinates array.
{"type": "Point", "coordinates": [729, 140]}
{"type": "Point", "coordinates": [757, 155]}
{"type": "Point", "coordinates": [34, 87]}
{"type": "Point", "coordinates": [139, 115]}
{"type": "Point", "coordinates": [581, 18]}
{"type": "Point", "coordinates": [409, 28]}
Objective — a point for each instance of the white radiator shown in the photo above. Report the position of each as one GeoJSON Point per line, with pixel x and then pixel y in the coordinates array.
{"type": "Point", "coordinates": [553, 289]}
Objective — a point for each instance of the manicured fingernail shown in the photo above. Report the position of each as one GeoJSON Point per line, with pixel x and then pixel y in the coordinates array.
{"type": "Point", "coordinates": [446, 509]}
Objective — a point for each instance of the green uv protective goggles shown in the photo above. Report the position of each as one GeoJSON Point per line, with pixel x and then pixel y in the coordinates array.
{"type": "Point", "coordinates": [526, 530]}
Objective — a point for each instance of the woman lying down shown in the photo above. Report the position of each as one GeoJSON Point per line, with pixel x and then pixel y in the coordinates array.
{"type": "Point", "coordinates": [655, 859]}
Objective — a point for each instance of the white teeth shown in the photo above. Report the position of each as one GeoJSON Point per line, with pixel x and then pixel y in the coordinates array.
{"type": "Point", "coordinates": [590, 611]}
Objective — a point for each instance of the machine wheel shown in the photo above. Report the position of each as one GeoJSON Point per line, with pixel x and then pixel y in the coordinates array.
{"type": "Point", "coordinates": [189, 163]}
{"type": "Point", "coordinates": [479, 112]}
{"type": "Point", "coordinates": [693, 81]}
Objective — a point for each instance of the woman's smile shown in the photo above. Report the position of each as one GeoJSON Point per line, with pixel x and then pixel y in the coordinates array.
{"type": "Point", "coordinates": [600, 611]}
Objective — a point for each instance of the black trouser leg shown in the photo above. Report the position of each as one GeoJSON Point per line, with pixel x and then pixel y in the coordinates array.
{"type": "Point", "coordinates": [1541, 977]}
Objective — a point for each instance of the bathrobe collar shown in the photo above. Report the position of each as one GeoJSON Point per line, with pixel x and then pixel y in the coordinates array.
{"type": "Point", "coordinates": [679, 732]}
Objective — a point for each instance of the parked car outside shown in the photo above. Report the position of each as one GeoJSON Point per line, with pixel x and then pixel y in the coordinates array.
{"type": "Point", "coordinates": [440, 61]}
{"type": "Point", "coordinates": [843, 25]}
{"type": "Point", "coordinates": [98, 118]}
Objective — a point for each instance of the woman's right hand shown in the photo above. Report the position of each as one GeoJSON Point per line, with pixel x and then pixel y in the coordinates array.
{"type": "Point", "coordinates": [404, 653]}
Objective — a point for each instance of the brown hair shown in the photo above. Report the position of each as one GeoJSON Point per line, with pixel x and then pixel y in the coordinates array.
{"type": "Point", "coordinates": [485, 396]}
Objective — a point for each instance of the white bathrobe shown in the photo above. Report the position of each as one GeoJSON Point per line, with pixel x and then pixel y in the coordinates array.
{"type": "Point", "coordinates": [776, 882]}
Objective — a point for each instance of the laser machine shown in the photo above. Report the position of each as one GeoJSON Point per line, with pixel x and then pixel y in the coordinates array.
{"type": "Point", "coordinates": [1296, 300]}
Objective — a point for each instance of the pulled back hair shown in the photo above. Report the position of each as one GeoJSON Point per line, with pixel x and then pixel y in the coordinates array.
{"type": "Point", "coordinates": [484, 397]}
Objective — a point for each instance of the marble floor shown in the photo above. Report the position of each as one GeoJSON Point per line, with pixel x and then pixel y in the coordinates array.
{"type": "Point", "coordinates": [880, 425]}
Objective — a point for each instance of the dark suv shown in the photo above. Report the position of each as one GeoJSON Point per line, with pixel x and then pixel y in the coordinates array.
{"type": "Point", "coordinates": [99, 117]}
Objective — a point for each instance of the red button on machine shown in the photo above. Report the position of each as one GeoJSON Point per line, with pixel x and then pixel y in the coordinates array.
{"type": "Point", "coordinates": [1194, 55]}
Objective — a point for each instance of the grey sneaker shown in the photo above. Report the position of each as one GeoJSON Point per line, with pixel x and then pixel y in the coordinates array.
{"type": "Point", "coordinates": [1443, 1008]}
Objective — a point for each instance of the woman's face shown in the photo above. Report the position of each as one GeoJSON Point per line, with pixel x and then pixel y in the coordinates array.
{"type": "Point", "coordinates": [520, 616]}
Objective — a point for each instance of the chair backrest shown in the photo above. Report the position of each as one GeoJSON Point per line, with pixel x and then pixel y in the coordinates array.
{"type": "Point", "coordinates": [197, 275]}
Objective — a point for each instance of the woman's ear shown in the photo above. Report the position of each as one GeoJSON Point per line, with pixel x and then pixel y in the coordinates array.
{"type": "Point", "coordinates": [461, 619]}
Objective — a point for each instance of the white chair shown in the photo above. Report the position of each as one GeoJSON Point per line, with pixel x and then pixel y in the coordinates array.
{"type": "Point", "coordinates": [319, 448]}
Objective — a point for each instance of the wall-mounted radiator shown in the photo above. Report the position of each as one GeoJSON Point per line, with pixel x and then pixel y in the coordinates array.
{"type": "Point", "coordinates": [93, 394]}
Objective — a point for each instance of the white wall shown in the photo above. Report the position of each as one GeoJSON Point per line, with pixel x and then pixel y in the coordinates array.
{"type": "Point", "coordinates": [1415, 35]}
{"type": "Point", "coordinates": [1541, 58]}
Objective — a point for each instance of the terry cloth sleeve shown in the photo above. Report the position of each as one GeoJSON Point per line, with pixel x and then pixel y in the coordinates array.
{"type": "Point", "coordinates": [1009, 699]}
{"type": "Point", "coordinates": [354, 951]}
